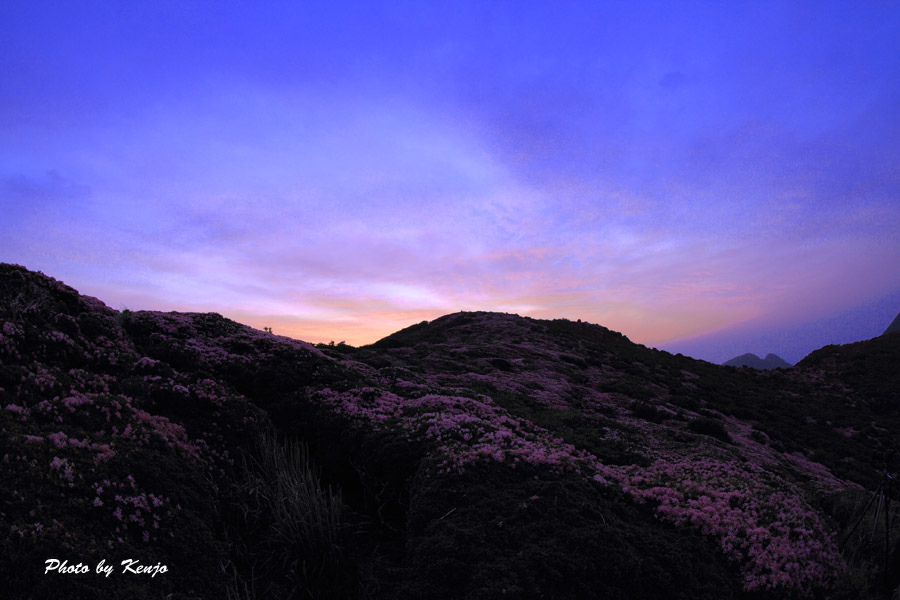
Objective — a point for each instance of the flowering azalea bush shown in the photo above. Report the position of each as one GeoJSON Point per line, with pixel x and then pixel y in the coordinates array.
{"type": "Point", "coordinates": [465, 429]}
{"type": "Point", "coordinates": [760, 522]}
{"type": "Point", "coordinates": [92, 467]}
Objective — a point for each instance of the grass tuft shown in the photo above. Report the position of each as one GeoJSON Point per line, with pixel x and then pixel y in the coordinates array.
{"type": "Point", "coordinates": [286, 529]}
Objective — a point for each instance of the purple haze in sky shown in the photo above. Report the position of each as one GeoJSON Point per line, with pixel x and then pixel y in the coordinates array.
{"type": "Point", "coordinates": [709, 178]}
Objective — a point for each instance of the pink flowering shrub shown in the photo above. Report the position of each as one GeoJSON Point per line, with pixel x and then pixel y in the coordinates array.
{"type": "Point", "coordinates": [761, 523]}
{"type": "Point", "coordinates": [9, 345]}
{"type": "Point", "coordinates": [76, 414]}
{"type": "Point", "coordinates": [65, 469]}
{"type": "Point", "coordinates": [144, 514]}
{"type": "Point", "coordinates": [465, 429]}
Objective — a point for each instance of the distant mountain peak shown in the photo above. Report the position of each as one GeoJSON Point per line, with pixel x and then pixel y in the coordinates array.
{"type": "Point", "coordinates": [894, 326]}
{"type": "Point", "coordinates": [771, 361]}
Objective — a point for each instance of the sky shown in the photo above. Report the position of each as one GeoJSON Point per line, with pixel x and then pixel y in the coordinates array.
{"type": "Point", "coordinates": [710, 178]}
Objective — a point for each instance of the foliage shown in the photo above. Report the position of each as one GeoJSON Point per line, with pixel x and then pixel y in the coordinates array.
{"type": "Point", "coordinates": [648, 412]}
{"type": "Point", "coordinates": [711, 427]}
{"type": "Point", "coordinates": [491, 532]}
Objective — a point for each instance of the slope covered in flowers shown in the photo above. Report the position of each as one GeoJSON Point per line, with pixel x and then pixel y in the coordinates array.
{"type": "Point", "coordinates": [480, 455]}
{"type": "Point", "coordinates": [651, 428]}
{"type": "Point", "coordinates": [108, 452]}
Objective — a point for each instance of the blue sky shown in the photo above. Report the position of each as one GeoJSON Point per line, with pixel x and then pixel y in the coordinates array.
{"type": "Point", "coordinates": [695, 175]}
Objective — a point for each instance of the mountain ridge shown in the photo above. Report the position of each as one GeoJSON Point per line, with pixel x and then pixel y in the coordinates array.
{"type": "Point", "coordinates": [894, 326]}
{"type": "Point", "coordinates": [771, 361]}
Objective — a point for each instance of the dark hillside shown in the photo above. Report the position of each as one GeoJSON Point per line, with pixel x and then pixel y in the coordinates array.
{"type": "Point", "coordinates": [867, 375]}
{"type": "Point", "coordinates": [894, 327]}
{"type": "Point", "coordinates": [528, 366]}
{"type": "Point", "coordinates": [871, 369]}
{"type": "Point", "coordinates": [477, 456]}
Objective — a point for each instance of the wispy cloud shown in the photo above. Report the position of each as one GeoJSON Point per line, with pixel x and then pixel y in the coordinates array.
{"type": "Point", "coordinates": [661, 172]}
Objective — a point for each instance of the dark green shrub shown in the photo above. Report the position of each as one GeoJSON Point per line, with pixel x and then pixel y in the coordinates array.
{"type": "Point", "coordinates": [494, 532]}
{"type": "Point", "coordinates": [573, 360]}
{"type": "Point", "coordinates": [685, 402]}
{"type": "Point", "coordinates": [710, 427]}
{"type": "Point", "coordinates": [648, 412]}
{"type": "Point", "coordinates": [633, 388]}
{"type": "Point", "coordinates": [502, 364]}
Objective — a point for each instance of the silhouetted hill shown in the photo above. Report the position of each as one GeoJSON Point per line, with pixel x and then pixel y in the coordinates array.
{"type": "Point", "coordinates": [894, 326]}
{"type": "Point", "coordinates": [480, 455]}
{"type": "Point", "coordinates": [867, 370]}
{"type": "Point", "coordinates": [771, 361]}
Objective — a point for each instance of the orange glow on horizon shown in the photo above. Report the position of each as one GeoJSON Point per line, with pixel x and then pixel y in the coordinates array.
{"type": "Point", "coordinates": [642, 325]}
